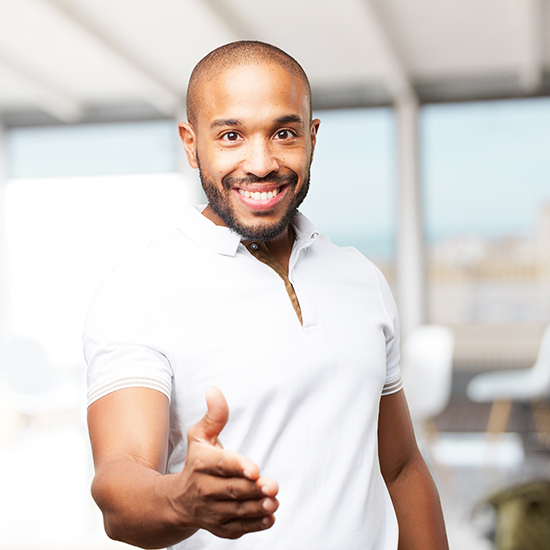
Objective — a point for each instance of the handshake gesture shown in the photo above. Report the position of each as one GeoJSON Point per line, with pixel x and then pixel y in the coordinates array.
{"type": "Point", "coordinates": [219, 490]}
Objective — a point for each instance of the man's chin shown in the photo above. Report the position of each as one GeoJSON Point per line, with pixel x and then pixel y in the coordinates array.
{"type": "Point", "coordinates": [258, 225]}
{"type": "Point", "coordinates": [263, 232]}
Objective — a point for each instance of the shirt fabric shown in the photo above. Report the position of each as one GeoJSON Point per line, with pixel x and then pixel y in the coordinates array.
{"type": "Point", "coordinates": [197, 309]}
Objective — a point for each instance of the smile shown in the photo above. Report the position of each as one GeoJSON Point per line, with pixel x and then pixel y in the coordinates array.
{"type": "Point", "coordinates": [261, 201]}
{"type": "Point", "coordinates": [257, 196]}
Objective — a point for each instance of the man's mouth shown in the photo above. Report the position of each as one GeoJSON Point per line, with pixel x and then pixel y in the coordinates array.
{"type": "Point", "coordinates": [259, 196]}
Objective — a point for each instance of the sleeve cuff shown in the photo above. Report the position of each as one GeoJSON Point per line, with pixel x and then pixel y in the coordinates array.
{"type": "Point", "coordinates": [102, 389]}
{"type": "Point", "coordinates": [392, 387]}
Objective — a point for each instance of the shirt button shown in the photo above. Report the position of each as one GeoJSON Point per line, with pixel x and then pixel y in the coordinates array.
{"type": "Point", "coordinates": [254, 246]}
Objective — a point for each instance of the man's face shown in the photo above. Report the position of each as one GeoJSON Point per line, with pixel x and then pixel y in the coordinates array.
{"type": "Point", "coordinates": [253, 144]}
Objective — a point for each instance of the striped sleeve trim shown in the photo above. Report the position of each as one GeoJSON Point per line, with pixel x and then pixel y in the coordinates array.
{"type": "Point", "coordinates": [129, 382]}
{"type": "Point", "coordinates": [392, 387]}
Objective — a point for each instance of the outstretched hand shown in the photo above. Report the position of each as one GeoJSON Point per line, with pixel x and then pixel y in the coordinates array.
{"type": "Point", "coordinates": [219, 490]}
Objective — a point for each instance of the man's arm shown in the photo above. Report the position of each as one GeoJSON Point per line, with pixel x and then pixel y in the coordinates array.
{"type": "Point", "coordinates": [411, 487]}
{"type": "Point", "coordinates": [217, 490]}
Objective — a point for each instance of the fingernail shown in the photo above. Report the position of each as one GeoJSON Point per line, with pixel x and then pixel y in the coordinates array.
{"type": "Point", "coordinates": [265, 490]}
{"type": "Point", "coordinates": [246, 473]}
{"type": "Point", "coordinates": [266, 522]}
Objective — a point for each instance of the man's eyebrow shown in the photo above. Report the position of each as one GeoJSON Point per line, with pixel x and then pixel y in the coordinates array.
{"type": "Point", "coordinates": [221, 122]}
{"type": "Point", "coordinates": [287, 119]}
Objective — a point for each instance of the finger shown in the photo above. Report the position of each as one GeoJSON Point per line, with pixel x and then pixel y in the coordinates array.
{"type": "Point", "coordinates": [209, 427]}
{"type": "Point", "coordinates": [268, 487]}
{"type": "Point", "coordinates": [230, 488]}
{"type": "Point", "coordinates": [237, 528]}
{"type": "Point", "coordinates": [221, 463]}
{"type": "Point", "coordinates": [228, 510]}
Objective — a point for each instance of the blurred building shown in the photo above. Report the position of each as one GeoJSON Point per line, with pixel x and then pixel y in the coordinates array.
{"type": "Point", "coordinates": [495, 293]}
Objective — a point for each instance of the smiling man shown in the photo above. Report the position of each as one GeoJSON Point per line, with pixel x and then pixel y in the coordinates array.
{"type": "Point", "coordinates": [292, 341]}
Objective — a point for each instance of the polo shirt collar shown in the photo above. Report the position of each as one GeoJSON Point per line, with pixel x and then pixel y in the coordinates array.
{"type": "Point", "coordinates": [206, 234]}
{"type": "Point", "coordinates": [306, 233]}
{"type": "Point", "coordinates": [222, 240]}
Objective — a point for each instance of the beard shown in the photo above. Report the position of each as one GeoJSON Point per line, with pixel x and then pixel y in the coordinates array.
{"type": "Point", "coordinates": [220, 204]}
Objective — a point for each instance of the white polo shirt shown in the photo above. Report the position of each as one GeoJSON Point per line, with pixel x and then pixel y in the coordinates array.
{"type": "Point", "coordinates": [196, 309]}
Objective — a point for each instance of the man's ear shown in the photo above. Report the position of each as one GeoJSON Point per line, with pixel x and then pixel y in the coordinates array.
{"type": "Point", "coordinates": [189, 140]}
{"type": "Point", "coordinates": [314, 128]}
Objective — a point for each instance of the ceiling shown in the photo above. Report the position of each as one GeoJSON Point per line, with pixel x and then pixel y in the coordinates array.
{"type": "Point", "coordinates": [67, 61]}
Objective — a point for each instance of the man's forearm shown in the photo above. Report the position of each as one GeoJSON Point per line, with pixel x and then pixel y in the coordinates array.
{"type": "Point", "coordinates": [136, 505]}
{"type": "Point", "coordinates": [418, 509]}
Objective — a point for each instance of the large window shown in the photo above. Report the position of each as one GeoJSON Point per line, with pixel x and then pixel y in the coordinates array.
{"type": "Point", "coordinates": [487, 187]}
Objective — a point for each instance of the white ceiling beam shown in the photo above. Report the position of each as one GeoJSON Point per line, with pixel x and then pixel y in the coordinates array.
{"type": "Point", "coordinates": [231, 19]}
{"type": "Point", "coordinates": [527, 17]}
{"type": "Point", "coordinates": [153, 90]}
{"type": "Point", "coordinates": [41, 93]}
{"type": "Point", "coordinates": [396, 78]}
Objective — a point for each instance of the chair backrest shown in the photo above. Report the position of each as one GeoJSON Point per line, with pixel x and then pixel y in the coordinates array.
{"type": "Point", "coordinates": [426, 366]}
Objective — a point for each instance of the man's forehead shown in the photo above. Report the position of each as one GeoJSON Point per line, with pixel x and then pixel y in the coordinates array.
{"type": "Point", "coordinates": [238, 87]}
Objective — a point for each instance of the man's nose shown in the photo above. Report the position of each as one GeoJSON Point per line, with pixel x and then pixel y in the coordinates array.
{"type": "Point", "coordinates": [260, 159]}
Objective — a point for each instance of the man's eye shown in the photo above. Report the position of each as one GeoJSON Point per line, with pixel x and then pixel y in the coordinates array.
{"type": "Point", "coordinates": [284, 134]}
{"type": "Point", "coordinates": [231, 136]}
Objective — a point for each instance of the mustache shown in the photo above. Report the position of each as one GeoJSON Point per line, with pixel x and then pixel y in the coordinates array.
{"type": "Point", "coordinates": [279, 179]}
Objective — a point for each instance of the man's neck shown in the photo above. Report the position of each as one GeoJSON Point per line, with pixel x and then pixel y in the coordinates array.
{"type": "Point", "coordinates": [281, 247]}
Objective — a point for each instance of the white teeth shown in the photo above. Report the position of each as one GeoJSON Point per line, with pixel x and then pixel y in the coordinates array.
{"type": "Point", "coordinates": [257, 196]}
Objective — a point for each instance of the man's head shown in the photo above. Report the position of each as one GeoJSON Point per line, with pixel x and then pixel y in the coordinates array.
{"type": "Point", "coordinates": [251, 135]}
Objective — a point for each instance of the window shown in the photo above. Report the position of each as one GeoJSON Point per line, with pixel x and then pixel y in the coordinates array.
{"type": "Point", "coordinates": [487, 188]}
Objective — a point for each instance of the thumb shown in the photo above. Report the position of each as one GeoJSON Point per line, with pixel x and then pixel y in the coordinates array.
{"type": "Point", "coordinates": [209, 427]}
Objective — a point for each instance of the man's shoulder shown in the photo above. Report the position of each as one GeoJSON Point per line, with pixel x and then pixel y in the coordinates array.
{"type": "Point", "coordinates": [345, 263]}
{"type": "Point", "coordinates": [344, 253]}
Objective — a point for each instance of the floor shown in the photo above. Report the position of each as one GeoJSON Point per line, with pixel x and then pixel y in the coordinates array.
{"type": "Point", "coordinates": [45, 472]}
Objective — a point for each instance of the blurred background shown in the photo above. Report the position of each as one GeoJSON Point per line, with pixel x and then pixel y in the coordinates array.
{"type": "Point", "coordinates": [433, 159]}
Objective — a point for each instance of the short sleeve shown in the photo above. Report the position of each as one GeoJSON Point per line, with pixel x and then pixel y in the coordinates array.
{"type": "Point", "coordinates": [391, 331]}
{"type": "Point", "coordinates": [119, 348]}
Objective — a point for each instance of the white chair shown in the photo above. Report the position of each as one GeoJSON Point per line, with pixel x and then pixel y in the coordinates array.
{"type": "Point", "coordinates": [528, 385]}
{"type": "Point", "coordinates": [426, 368]}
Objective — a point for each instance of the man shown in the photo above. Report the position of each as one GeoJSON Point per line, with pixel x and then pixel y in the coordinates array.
{"type": "Point", "coordinates": [246, 304]}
